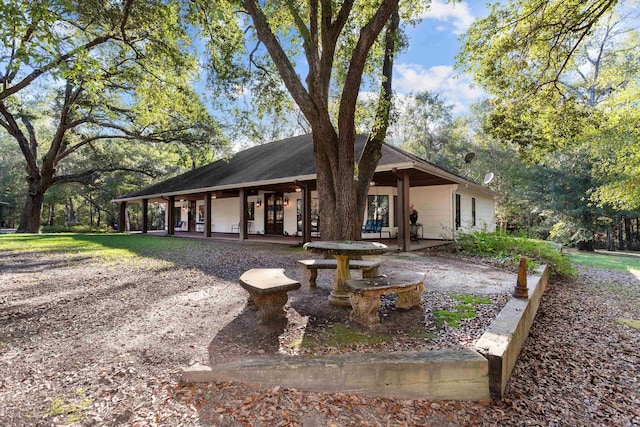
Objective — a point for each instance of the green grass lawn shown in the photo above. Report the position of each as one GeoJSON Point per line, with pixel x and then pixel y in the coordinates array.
{"type": "Point", "coordinates": [610, 260]}
{"type": "Point", "coordinates": [106, 246]}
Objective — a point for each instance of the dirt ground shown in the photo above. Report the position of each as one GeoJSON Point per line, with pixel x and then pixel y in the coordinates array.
{"type": "Point", "coordinates": [102, 343]}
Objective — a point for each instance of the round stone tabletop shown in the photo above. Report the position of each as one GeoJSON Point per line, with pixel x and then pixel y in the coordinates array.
{"type": "Point", "coordinates": [347, 247]}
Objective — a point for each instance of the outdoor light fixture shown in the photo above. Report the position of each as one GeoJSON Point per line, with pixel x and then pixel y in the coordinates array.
{"type": "Point", "coordinates": [286, 201]}
{"type": "Point", "coordinates": [298, 189]}
{"type": "Point", "coordinates": [214, 196]}
{"type": "Point", "coordinates": [259, 202]}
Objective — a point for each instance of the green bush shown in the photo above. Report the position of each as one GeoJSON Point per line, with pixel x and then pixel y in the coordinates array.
{"type": "Point", "coordinates": [74, 229]}
{"type": "Point", "coordinates": [506, 247]}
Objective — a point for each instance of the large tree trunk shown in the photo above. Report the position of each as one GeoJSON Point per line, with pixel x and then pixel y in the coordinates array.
{"type": "Point", "coordinates": [620, 233]}
{"type": "Point", "coordinates": [335, 168]}
{"type": "Point", "coordinates": [611, 244]}
{"type": "Point", "coordinates": [32, 212]}
{"type": "Point", "coordinates": [52, 214]}
{"type": "Point", "coordinates": [627, 233]}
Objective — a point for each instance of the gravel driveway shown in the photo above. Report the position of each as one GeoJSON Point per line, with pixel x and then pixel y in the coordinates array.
{"type": "Point", "coordinates": [102, 343]}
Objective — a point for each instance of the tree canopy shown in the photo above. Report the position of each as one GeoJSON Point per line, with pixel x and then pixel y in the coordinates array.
{"type": "Point", "coordinates": [563, 81]}
{"type": "Point", "coordinates": [94, 73]}
{"type": "Point", "coordinates": [335, 44]}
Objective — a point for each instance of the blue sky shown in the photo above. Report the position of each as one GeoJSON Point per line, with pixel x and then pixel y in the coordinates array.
{"type": "Point", "coordinates": [428, 64]}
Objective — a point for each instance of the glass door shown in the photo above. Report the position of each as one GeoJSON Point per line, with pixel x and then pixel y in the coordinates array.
{"type": "Point", "coordinates": [274, 214]}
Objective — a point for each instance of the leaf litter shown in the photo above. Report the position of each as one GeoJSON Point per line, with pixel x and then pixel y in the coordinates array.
{"type": "Point", "coordinates": [108, 343]}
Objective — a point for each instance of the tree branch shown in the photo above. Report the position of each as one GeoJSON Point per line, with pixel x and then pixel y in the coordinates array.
{"type": "Point", "coordinates": [88, 177]}
{"type": "Point", "coordinates": [373, 149]}
{"type": "Point", "coordinates": [368, 34]}
{"type": "Point", "coordinates": [15, 131]}
{"type": "Point", "coordinates": [280, 59]}
{"type": "Point", "coordinates": [26, 81]}
{"type": "Point", "coordinates": [297, 19]}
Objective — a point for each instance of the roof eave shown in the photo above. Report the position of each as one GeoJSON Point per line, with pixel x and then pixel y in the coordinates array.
{"type": "Point", "coordinates": [219, 188]}
{"type": "Point", "coordinates": [433, 170]}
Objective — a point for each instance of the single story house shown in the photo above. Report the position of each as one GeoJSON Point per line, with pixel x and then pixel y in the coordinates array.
{"type": "Point", "coordinates": [270, 189]}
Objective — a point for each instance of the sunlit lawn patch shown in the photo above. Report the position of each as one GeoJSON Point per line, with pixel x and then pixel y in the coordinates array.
{"type": "Point", "coordinates": [105, 246]}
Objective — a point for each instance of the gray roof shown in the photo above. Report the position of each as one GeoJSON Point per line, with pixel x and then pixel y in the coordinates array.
{"type": "Point", "coordinates": [286, 160]}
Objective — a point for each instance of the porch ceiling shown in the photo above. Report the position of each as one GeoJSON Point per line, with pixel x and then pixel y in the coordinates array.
{"type": "Point", "coordinates": [416, 179]}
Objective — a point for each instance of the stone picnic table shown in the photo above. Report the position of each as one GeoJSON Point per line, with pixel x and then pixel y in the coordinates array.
{"type": "Point", "coordinates": [342, 251]}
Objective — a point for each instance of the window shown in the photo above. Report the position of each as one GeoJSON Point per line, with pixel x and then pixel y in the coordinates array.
{"type": "Point", "coordinates": [457, 211]}
{"type": "Point", "coordinates": [473, 211]}
{"type": "Point", "coordinates": [315, 216]}
{"type": "Point", "coordinates": [378, 208]}
{"type": "Point", "coordinates": [251, 211]}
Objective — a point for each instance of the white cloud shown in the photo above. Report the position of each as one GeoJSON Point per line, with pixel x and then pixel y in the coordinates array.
{"type": "Point", "coordinates": [457, 88]}
{"type": "Point", "coordinates": [458, 14]}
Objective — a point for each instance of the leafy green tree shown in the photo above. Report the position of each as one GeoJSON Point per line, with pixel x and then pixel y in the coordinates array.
{"type": "Point", "coordinates": [563, 77]}
{"type": "Point", "coordinates": [98, 72]}
{"type": "Point", "coordinates": [423, 124]}
{"type": "Point", "coordinates": [526, 54]}
{"type": "Point", "coordinates": [11, 180]}
{"type": "Point", "coordinates": [339, 43]}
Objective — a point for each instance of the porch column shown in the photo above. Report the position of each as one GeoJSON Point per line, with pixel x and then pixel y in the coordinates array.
{"type": "Point", "coordinates": [172, 214]}
{"type": "Point", "coordinates": [207, 214]}
{"type": "Point", "coordinates": [122, 218]}
{"type": "Point", "coordinates": [404, 238]}
{"type": "Point", "coordinates": [243, 214]}
{"type": "Point", "coordinates": [145, 211]}
{"type": "Point", "coordinates": [306, 214]}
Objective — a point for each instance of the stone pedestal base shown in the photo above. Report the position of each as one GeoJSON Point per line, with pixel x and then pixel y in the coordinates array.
{"type": "Point", "coordinates": [270, 307]}
{"type": "Point", "coordinates": [366, 293]}
{"type": "Point", "coordinates": [411, 297]}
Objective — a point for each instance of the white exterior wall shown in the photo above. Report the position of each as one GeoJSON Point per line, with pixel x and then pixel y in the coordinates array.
{"type": "Point", "coordinates": [435, 210]}
{"type": "Point", "coordinates": [225, 213]}
{"type": "Point", "coordinates": [435, 206]}
{"type": "Point", "coordinates": [485, 210]}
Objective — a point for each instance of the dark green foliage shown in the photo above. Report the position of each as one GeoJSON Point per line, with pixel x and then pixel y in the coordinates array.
{"type": "Point", "coordinates": [506, 247]}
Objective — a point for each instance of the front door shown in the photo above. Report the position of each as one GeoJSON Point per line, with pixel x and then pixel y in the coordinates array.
{"type": "Point", "coordinates": [273, 214]}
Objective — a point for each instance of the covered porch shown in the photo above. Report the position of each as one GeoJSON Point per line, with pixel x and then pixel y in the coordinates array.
{"type": "Point", "coordinates": [289, 212]}
{"type": "Point", "coordinates": [290, 240]}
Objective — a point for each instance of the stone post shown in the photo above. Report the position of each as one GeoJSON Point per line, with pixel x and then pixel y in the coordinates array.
{"type": "Point", "coordinates": [521, 290]}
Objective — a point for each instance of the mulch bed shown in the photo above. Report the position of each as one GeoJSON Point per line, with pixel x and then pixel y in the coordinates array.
{"type": "Point", "coordinates": [102, 344]}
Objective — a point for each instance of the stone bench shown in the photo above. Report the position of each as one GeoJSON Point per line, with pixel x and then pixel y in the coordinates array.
{"type": "Point", "coordinates": [268, 289]}
{"type": "Point", "coordinates": [366, 293]}
{"type": "Point", "coordinates": [310, 268]}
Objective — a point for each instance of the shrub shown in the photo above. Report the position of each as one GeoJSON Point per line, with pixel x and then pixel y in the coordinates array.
{"type": "Point", "coordinates": [502, 246]}
{"type": "Point", "coordinates": [74, 229]}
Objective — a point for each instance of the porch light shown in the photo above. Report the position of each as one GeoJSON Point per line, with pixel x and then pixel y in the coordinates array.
{"type": "Point", "coordinates": [214, 196]}
{"type": "Point", "coordinates": [286, 201]}
{"type": "Point", "coordinates": [259, 202]}
{"type": "Point", "coordinates": [298, 189]}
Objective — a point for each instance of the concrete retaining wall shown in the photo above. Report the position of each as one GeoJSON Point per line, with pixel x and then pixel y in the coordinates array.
{"type": "Point", "coordinates": [434, 375]}
{"type": "Point", "coordinates": [503, 340]}
{"type": "Point", "coordinates": [445, 374]}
